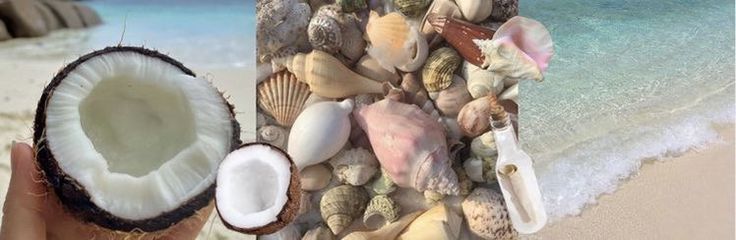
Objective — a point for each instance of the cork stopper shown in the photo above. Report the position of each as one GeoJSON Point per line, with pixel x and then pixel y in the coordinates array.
{"type": "Point", "coordinates": [499, 118]}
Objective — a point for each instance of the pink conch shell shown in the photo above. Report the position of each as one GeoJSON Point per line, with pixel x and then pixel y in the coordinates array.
{"type": "Point", "coordinates": [530, 36]}
{"type": "Point", "coordinates": [410, 145]}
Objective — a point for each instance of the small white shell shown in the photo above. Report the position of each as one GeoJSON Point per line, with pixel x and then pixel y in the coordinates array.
{"type": "Point", "coordinates": [474, 168]}
{"type": "Point", "coordinates": [319, 132]}
{"type": "Point", "coordinates": [475, 10]}
{"type": "Point", "coordinates": [484, 145]}
{"type": "Point", "coordinates": [355, 166]}
{"type": "Point", "coordinates": [480, 81]}
{"type": "Point", "coordinates": [273, 135]}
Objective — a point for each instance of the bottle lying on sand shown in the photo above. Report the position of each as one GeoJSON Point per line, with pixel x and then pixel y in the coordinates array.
{"type": "Point", "coordinates": [516, 177]}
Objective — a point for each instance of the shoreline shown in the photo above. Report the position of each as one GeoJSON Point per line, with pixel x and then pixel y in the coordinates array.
{"type": "Point", "coordinates": [672, 198]}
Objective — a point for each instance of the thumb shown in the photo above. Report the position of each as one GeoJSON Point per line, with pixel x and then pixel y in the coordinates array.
{"type": "Point", "coordinates": [23, 208]}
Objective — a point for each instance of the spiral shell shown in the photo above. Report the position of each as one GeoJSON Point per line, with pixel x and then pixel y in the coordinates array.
{"type": "Point", "coordinates": [412, 8]}
{"type": "Point", "coordinates": [274, 135]}
{"type": "Point", "coordinates": [354, 166]}
{"type": "Point", "coordinates": [280, 27]}
{"type": "Point", "coordinates": [341, 205]}
{"type": "Point", "coordinates": [283, 96]}
{"type": "Point", "coordinates": [487, 215]}
{"type": "Point", "coordinates": [382, 210]}
{"type": "Point", "coordinates": [439, 68]}
{"type": "Point", "coordinates": [480, 82]}
{"type": "Point", "coordinates": [324, 32]}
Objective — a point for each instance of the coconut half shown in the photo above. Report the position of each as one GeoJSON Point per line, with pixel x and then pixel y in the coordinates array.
{"type": "Point", "coordinates": [129, 138]}
{"type": "Point", "coordinates": [258, 189]}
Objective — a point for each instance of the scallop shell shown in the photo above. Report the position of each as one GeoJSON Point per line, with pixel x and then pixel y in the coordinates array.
{"type": "Point", "coordinates": [320, 132]}
{"type": "Point", "coordinates": [341, 205]}
{"type": "Point", "coordinates": [487, 215]}
{"type": "Point", "coordinates": [328, 77]}
{"type": "Point", "coordinates": [383, 184]}
{"type": "Point", "coordinates": [439, 69]}
{"type": "Point", "coordinates": [412, 8]}
{"type": "Point", "coordinates": [369, 67]}
{"type": "Point", "coordinates": [315, 177]}
{"type": "Point", "coordinates": [439, 222]}
{"type": "Point", "coordinates": [475, 10]}
{"type": "Point", "coordinates": [450, 100]}
{"type": "Point", "coordinates": [355, 166]}
{"type": "Point", "coordinates": [273, 135]}
{"type": "Point", "coordinates": [474, 116]}
{"type": "Point", "coordinates": [441, 8]}
{"type": "Point", "coordinates": [320, 232]}
{"type": "Point", "coordinates": [352, 5]}
{"type": "Point", "coordinates": [381, 211]}
{"type": "Point", "coordinates": [395, 43]}
{"type": "Point", "coordinates": [481, 82]}
{"type": "Point", "coordinates": [283, 96]}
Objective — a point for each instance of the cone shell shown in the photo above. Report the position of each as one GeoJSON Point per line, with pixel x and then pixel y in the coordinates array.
{"type": "Point", "coordinates": [460, 35]}
{"type": "Point", "coordinates": [328, 77]}
{"type": "Point", "coordinates": [474, 117]}
{"type": "Point", "coordinates": [394, 43]}
{"type": "Point", "coordinates": [439, 69]}
{"type": "Point", "coordinates": [283, 97]}
{"type": "Point", "coordinates": [273, 135]}
{"type": "Point", "coordinates": [412, 8]}
{"type": "Point", "coordinates": [450, 100]}
{"type": "Point", "coordinates": [382, 210]}
{"type": "Point", "coordinates": [487, 215]}
{"type": "Point", "coordinates": [341, 205]}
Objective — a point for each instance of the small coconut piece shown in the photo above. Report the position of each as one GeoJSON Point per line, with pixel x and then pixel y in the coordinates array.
{"type": "Point", "coordinates": [341, 205]}
{"type": "Point", "coordinates": [355, 166]}
{"type": "Point", "coordinates": [128, 138]}
{"type": "Point", "coordinates": [487, 215]}
{"type": "Point", "coordinates": [315, 177]}
{"type": "Point", "coordinates": [321, 232]}
{"type": "Point", "coordinates": [381, 211]}
{"type": "Point", "coordinates": [257, 189]}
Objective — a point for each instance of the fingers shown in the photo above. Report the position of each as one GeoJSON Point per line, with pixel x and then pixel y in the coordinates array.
{"type": "Point", "coordinates": [23, 208]}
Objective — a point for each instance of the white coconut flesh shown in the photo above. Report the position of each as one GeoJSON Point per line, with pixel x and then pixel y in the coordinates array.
{"type": "Point", "coordinates": [138, 134]}
{"type": "Point", "coordinates": [252, 186]}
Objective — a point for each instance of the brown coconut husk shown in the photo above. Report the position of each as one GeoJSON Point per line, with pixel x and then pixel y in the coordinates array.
{"type": "Point", "coordinates": [73, 195]}
{"type": "Point", "coordinates": [88, 15]}
{"type": "Point", "coordinates": [22, 19]}
{"type": "Point", "coordinates": [64, 11]}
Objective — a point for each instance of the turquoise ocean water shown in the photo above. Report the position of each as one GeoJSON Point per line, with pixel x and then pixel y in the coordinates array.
{"type": "Point", "coordinates": [630, 81]}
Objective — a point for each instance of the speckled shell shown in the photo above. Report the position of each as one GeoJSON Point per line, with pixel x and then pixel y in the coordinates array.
{"type": "Point", "coordinates": [475, 10]}
{"type": "Point", "coordinates": [319, 132]}
{"type": "Point", "coordinates": [450, 100]}
{"type": "Point", "coordinates": [480, 82]}
{"type": "Point", "coordinates": [439, 69]}
{"type": "Point", "coordinates": [369, 67]}
{"type": "Point", "coordinates": [395, 43]}
{"type": "Point", "coordinates": [280, 26]}
{"type": "Point", "coordinates": [315, 177]}
{"type": "Point", "coordinates": [337, 33]}
{"type": "Point", "coordinates": [354, 166]}
{"type": "Point", "coordinates": [352, 5]}
{"type": "Point", "coordinates": [412, 8]}
{"type": "Point", "coordinates": [487, 215]}
{"type": "Point", "coordinates": [320, 232]}
{"type": "Point", "coordinates": [273, 135]}
{"type": "Point", "coordinates": [381, 210]}
{"type": "Point", "coordinates": [283, 96]}
{"type": "Point", "coordinates": [341, 205]}
{"type": "Point", "coordinates": [328, 77]}
{"type": "Point", "coordinates": [474, 117]}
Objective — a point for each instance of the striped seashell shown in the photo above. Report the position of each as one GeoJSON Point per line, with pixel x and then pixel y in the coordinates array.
{"type": "Point", "coordinates": [439, 68]}
{"type": "Point", "coordinates": [283, 96]}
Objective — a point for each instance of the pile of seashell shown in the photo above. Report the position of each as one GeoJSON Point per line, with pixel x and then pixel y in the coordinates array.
{"type": "Point", "coordinates": [384, 106]}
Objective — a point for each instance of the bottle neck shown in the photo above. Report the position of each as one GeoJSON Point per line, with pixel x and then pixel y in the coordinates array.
{"type": "Point", "coordinates": [504, 134]}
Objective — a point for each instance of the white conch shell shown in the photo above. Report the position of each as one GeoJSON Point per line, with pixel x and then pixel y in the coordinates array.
{"type": "Point", "coordinates": [506, 59]}
{"type": "Point", "coordinates": [475, 10]}
{"type": "Point", "coordinates": [354, 166]}
{"type": "Point", "coordinates": [511, 93]}
{"type": "Point", "coordinates": [274, 135]}
{"type": "Point", "coordinates": [395, 43]}
{"type": "Point", "coordinates": [530, 36]}
{"type": "Point", "coordinates": [439, 222]}
{"type": "Point", "coordinates": [319, 132]}
{"type": "Point", "coordinates": [480, 81]}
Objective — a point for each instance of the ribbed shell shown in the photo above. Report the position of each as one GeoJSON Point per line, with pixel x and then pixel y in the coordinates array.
{"type": "Point", "coordinates": [283, 96]}
{"type": "Point", "coordinates": [439, 68]}
{"type": "Point", "coordinates": [341, 205]}
{"type": "Point", "coordinates": [381, 211]}
{"type": "Point", "coordinates": [412, 8]}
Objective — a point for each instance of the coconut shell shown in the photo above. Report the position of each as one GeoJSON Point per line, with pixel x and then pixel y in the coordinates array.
{"type": "Point", "coordinates": [66, 13]}
{"type": "Point", "coordinates": [74, 196]}
{"type": "Point", "coordinates": [291, 208]}
{"type": "Point", "coordinates": [22, 18]}
{"type": "Point", "coordinates": [4, 35]}
{"type": "Point", "coordinates": [88, 15]}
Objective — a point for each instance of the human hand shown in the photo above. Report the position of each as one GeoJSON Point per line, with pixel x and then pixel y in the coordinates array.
{"type": "Point", "coordinates": [32, 210]}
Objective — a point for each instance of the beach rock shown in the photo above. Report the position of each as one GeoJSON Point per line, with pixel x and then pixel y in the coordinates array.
{"type": "Point", "coordinates": [4, 35]}
{"type": "Point", "coordinates": [52, 23]}
{"type": "Point", "coordinates": [88, 15]}
{"type": "Point", "coordinates": [22, 18]}
{"type": "Point", "coordinates": [66, 13]}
